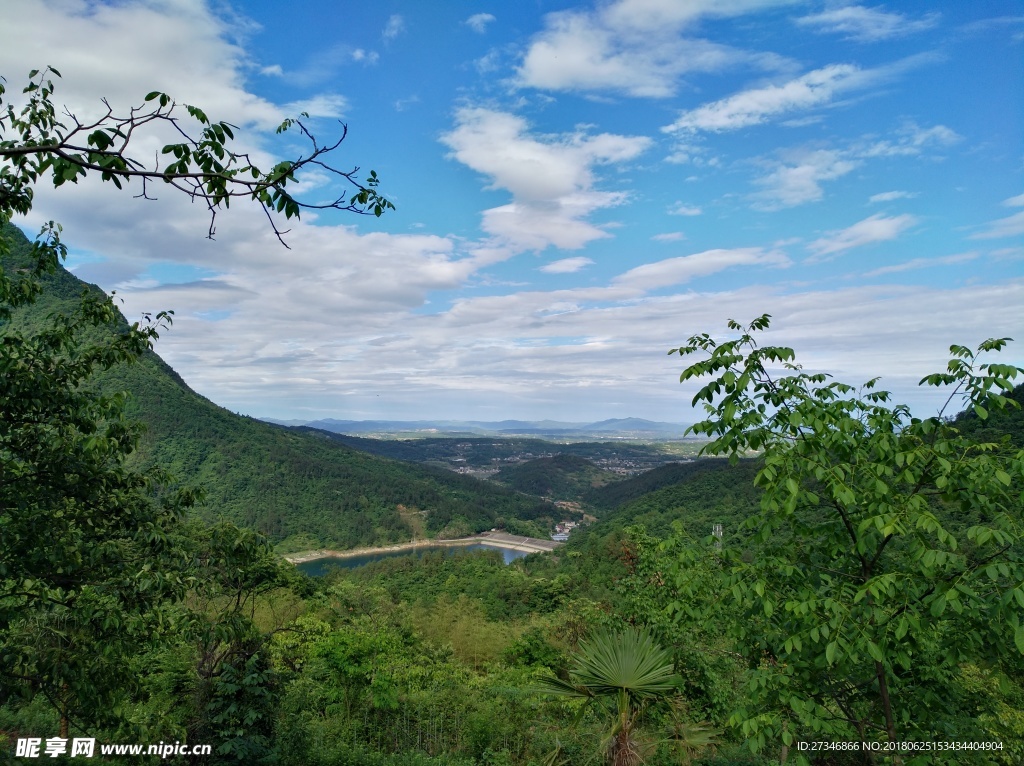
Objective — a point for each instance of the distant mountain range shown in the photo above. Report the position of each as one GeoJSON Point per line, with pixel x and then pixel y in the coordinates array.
{"type": "Point", "coordinates": [612, 428]}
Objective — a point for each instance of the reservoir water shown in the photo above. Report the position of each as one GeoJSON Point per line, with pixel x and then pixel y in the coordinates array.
{"type": "Point", "coordinates": [320, 567]}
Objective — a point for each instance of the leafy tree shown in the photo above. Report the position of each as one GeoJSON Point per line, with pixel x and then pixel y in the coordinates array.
{"type": "Point", "coordinates": [90, 557]}
{"type": "Point", "coordinates": [87, 552]}
{"type": "Point", "coordinates": [232, 684]}
{"type": "Point", "coordinates": [888, 550]}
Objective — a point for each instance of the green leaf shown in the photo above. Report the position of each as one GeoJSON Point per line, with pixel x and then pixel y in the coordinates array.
{"type": "Point", "coordinates": [875, 651]}
{"type": "Point", "coordinates": [901, 628]}
{"type": "Point", "coordinates": [830, 652]}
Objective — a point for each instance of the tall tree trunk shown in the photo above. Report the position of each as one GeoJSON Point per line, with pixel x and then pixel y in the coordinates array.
{"type": "Point", "coordinates": [64, 712]}
{"type": "Point", "coordinates": [883, 691]}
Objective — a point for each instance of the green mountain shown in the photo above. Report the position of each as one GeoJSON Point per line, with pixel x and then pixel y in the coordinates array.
{"type": "Point", "coordinates": [617, 493]}
{"type": "Point", "coordinates": [301, 489]}
{"type": "Point", "coordinates": [998, 425]}
{"type": "Point", "coordinates": [697, 495]}
{"type": "Point", "coordinates": [561, 477]}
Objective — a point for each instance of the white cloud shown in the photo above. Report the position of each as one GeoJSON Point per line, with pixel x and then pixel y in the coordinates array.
{"type": "Point", "coordinates": [490, 62]}
{"type": "Point", "coordinates": [394, 27]}
{"type": "Point", "coordinates": [801, 122]}
{"type": "Point", "coordinates": [817, 88]}
{"type": "Point", "coordinates": [758, 105]}
{"type": "Point", "coordinates": [796, 178]}
{"type": "Point", "coordinates": [322, 105]}
{"type": "Point", "coordinates": [877, 228]}
{"type": "Point", "coordinates": [366, 57]}
{"type": "Point", "coordinates": [863, 24]}
{"type": "Point", "coordinates": [272, 71]}
{"type": "Point", "coordinates": [540, 169]}
{"type": "Point", "coordinates": [478, 22]}
{"type": "Point", "coordinates": [795, 175]}
{"type": "Point", "coordinates": [911, 140]}
{"type": "Point", "coordinates": [670, 236]}
{"type": "Point", "coordinates": [675, 271]}
{"type": "Point", "coordinates": [923, 263]}
{"type": "Point", "coordinates": [651, 15]}
{"type": "Point", "coordinates": [691, 152]}
{"type": "Point", "coordinates": [615, 361]}
{"type": "Point", "coordinates": [982, 25]}
{"type": "Point", "coordinates": [1011, 226]}
{"type": "Point", "coordinates": [551, 178]}
{"type": "Point", "coordinates": [890, 196]}
{"type": "Point", "coordinates": [681, 209]}
{"type": "Point", "coordinates": [325, 328]}
{"type": "Point", "coordinates": [123, 51]}
{"type": "Point", "coordinates": [634, 47]}
{"type": "Point", "coordinates": [1007, 254]}
{"type": "Point", "coordinates": [324, 66]}
{"type": "Point", "coordinates": [566, 265]}
{"type": "Point", "coordinates": [559, 223]}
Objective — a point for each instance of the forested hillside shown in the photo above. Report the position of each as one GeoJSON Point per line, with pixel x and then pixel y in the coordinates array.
{"type": "Point", "coordinates": [1002, 424]}
{"type": "Point", "coordinates": [297, 488]}
{"type": "Point", "coordinates": [560, 477]}
{"type": "Point", "coordinates": [704, 492]}
{"type": "Point", "coordinates": [615, 494]}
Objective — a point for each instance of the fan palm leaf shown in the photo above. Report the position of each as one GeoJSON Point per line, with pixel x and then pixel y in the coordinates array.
{"type": "Point", "coordinates": [623, 671]}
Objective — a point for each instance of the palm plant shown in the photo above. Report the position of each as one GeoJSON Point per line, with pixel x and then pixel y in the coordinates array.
{"type": "Point", "coordinates": [623, 673]}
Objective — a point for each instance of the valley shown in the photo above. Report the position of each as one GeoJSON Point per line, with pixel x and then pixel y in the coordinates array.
{"type": "Point", "coordinates": [483, 457]}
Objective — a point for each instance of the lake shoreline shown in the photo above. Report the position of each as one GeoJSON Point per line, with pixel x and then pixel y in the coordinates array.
{"type": "Point", "coordinates": [525, 544]}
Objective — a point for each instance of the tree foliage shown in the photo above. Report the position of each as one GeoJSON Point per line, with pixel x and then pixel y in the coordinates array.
{"type": "Point", "coordinates": [37, 142]}
{"type": "Point", "coordinates": [87, 550]}
{"type": "Point", "coordinates": [888, 549]}
{"type": "Point", "coordinates": [92, 560]}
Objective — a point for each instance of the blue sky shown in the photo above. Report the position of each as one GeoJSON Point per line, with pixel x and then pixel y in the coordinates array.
{"type": "Point", "coordinates": [580, 187]}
